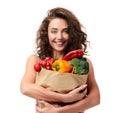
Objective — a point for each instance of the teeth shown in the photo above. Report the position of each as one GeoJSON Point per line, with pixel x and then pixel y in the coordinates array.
{"type": "Point", "coordinates": [59, 42]}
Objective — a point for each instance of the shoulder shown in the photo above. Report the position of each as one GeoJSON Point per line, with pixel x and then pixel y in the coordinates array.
{"type": "Point", "coordinates": [33, 58]}
{"type": "Point", "coordinates": [91, 68]}
{"type": "Point", "coordinates": [90, 63]}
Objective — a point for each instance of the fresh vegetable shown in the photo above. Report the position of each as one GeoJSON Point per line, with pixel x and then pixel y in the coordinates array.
{"type": "Point", "coordinates": [73, 54]}
{"type": "Point", "coordinates": [61, 66]}
{"type": "Point", "coordinates": [45, 63]}
{"type": "Point", "coordinates": [37, 67]}
{"type": "Point", "coordinates": [49, 62]}
{"type": "Point", "coordinates": [81, 66]}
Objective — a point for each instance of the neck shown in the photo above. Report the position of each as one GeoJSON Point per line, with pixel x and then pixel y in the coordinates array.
{"type": "Point", "coordinates": [58, 55]}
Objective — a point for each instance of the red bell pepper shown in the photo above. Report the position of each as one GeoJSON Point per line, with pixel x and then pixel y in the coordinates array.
{"type": "Point", "coordinates": [73, 54]}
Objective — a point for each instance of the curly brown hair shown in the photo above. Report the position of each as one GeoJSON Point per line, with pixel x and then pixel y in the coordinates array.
{"type": "Point", "coordinates": [77, 40]}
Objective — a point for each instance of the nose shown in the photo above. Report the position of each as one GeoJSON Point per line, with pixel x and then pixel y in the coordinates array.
{"type": "Point", "coordinates": [59, 35]}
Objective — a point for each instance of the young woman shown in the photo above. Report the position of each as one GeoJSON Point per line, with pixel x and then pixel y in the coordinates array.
{"type": "Point", "coordinates": [60, 33]}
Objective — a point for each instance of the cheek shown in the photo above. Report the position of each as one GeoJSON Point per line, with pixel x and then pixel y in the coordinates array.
{"type": "Point", "coordinates": [51, 38]}
{"type": "Point", "coordinates": [66, 37]}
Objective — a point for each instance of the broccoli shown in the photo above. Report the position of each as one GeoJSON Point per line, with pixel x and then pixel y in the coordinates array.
{"type": "Point", "coordinates": [81, 66]}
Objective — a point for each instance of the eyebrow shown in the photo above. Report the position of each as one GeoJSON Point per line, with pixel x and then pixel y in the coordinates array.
{"type": "Point", "coordinates": [62, 29]}
{"type": "Point", "coordinates": [53, 28]}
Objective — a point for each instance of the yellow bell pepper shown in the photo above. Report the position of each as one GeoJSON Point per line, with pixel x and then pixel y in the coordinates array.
{"type": "Point", "coordinates": [61, 66]}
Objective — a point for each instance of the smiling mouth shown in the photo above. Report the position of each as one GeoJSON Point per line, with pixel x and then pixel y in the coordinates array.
{"type": "Point", "coordinates": [59, 43]}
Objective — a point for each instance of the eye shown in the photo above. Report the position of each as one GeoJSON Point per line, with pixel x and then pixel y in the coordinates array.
{"type": "Point", "coordinates": [53, 31]}
{"type": "Point", "coordinates": [66, 31]}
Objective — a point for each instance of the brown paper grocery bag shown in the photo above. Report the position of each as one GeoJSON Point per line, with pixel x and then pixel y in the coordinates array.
{"type": "Point", "coordinates": [59, 82]}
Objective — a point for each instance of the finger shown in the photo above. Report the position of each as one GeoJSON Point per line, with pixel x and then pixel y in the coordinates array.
{"type": "Point", "coordinates": [43, 102]}
{"type": "Point", "coordinates": [85, 92]}
{"type": "Point", "coordinates": [39, 105]}
{"type": "Point", "coordinates": [37, 108]}
{"type": "Point", "coordinates": [82, 88]}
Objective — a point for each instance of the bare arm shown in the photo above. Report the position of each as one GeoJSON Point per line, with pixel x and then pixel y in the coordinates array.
{"type": "Point", "coordinates": [28, 86]}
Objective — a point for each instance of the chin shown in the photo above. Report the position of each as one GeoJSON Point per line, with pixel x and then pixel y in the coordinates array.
{"type": "Point", "coordinates": [59, 50]}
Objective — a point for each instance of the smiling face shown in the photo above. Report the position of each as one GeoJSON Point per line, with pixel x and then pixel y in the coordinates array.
{"type": "Point", "coordinates": [58, 35]}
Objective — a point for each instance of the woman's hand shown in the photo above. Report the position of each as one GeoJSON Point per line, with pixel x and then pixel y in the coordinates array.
{"type": "Point", "coordinates": [45, 108]}
{"type": "Point", "coordinates": [76, 94]}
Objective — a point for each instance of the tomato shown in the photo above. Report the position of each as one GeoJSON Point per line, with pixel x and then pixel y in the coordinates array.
{"type": "Point", "coordinates": [45, 63]}
{"type": "Point", "coordinates": [47, 58]}
{"type": "Point", "coordinates": [48, 67]}
{"type": "Point", "coordinates": [37, 67]}
{"type": "Point", "coordinates": [49, 61]}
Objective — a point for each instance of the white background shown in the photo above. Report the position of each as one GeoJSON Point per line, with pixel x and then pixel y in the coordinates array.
{"type": "Point", "coordinates": [19, 21]}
